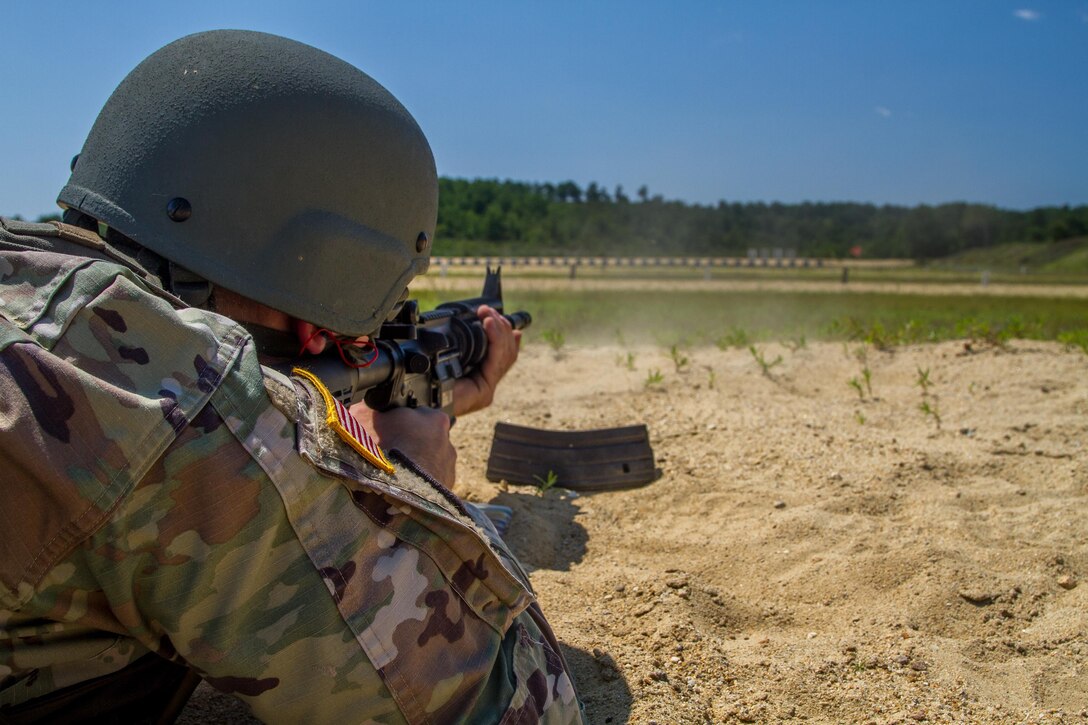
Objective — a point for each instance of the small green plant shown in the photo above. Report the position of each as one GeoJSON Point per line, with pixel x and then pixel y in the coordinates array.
{"type": "Point", "coordinates": [797, 343]}
{"type": "Point", "coordinates": [764, 364]}
{"type": "Point", "coordinates": [555, 339]}
{"type": "Point", "coordinates": [654, 377]}
{"type": "Point", "coordinates": [880, 338]}
{"type": "Point", "coordinates": [859, 417]}
{"type": "Point", "coordinates": [913, 331]}
{"type": "Point", "coordinates": [990, 333]}
{"type": "Point", "coordinates": [872, 333]}
{"type": "Point", "coordinates": [855, 383]}
{"type": "Point", "coordinates": [929, 405]}
{"type": "Point", "coordinates": [679, 359]}
{"type": "Point", "coordinates": [712, 380]}
{"type": "Point", "coordinates": [629, 363]}
{"type": "Point", "coordinates": [923, 381]}
{"type": "Point", "coordinates": [547, 482]}
{"type": "Point", "coordinates": [864, 384]}
{"type": "Point", "coordinates": [736, 337]}
{"type": "Point", "coordinates": [930, 409]}
{"type": "Point", "coordinates": [1074, 339]}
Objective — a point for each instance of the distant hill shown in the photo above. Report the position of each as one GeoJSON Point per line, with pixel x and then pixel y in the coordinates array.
{"type": "Point", "coordinates": [1067, 256]}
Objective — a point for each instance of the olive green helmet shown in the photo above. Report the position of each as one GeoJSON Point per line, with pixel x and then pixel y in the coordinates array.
{"type": "Point", "coordinates": [270, 168]}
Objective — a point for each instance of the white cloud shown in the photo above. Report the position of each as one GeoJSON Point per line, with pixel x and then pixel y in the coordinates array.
{"type": "Point", "coordinates": [1027, 14]}
{"type": "Point", "coordinates": [883, 111]}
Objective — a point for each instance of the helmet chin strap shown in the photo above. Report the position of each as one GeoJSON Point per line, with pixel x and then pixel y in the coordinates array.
{"type": "Point", "coordinates": [272, 342]}
{"type": "Point", "coordinates": [191, 288]}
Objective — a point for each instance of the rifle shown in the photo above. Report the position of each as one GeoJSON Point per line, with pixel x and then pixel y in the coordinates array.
{"type": "Point", "coordinates": [418, 356]}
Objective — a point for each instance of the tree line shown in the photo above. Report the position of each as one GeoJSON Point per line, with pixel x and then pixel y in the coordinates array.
{"type": "Point", "coordinates": [489, 216]}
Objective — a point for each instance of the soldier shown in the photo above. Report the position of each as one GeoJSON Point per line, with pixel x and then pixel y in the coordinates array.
{"type": "Point", "coordinates": [171, 508]}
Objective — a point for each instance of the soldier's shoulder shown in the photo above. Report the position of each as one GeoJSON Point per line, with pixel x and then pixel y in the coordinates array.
{"type": "Point", "coordinates": [21, 226]}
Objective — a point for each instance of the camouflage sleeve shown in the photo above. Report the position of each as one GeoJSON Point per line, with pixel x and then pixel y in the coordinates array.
{"type": "Point", "coordinates": [313, 586]}
{"type": "Point", "coordinates": [157, 499]}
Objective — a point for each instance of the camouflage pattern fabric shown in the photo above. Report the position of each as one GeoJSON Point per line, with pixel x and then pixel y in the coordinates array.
{"type": "Point", "coordinates": [163, 495]}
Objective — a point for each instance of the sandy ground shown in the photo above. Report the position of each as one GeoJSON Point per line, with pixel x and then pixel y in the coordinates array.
{"type": "Point", "coordinates": [809, 554]}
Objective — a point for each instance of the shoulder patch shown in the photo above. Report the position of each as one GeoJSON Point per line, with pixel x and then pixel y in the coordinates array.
{"type": "Point", "coordinates": [343, 422]}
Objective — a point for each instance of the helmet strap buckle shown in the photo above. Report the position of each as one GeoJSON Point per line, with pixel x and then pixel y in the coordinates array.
{"type": "Point", "coordinates": [190, 287]}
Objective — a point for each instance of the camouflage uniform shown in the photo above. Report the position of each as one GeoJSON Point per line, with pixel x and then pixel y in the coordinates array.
{"type": "Point", "coordinates": [162, 495]}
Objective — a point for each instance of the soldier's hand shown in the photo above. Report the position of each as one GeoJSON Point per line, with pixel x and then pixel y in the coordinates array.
{"type": "Point", "coordinates": [503, 341]}
{"type": "Point", "coordinates": [421, 434]}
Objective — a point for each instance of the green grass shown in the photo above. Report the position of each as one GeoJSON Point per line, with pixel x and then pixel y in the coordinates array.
{"type": "Point", "coordinates": [1074, 262]}
{"type": "Point", "coordinates": [1052, 259]}
{"type": "Point", "coordinates": [693, 318]}
{"type": "Point", "coordinates": [684, 317]}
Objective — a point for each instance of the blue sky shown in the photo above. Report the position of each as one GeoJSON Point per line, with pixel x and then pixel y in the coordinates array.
{"type": "Point", "coordinates": [863, 100]}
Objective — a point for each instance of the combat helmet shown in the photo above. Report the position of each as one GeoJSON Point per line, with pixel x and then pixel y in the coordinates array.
{"type": "Point", "coordinates": [268, 167]}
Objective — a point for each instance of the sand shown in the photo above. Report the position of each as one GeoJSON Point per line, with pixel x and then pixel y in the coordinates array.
{"type": "Point", "coordinates": [809, 553]}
